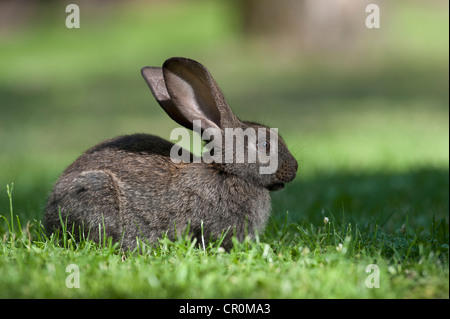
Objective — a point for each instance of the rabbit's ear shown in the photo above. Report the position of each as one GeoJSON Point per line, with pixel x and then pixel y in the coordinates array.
{"type": "Point", "coordinates": [155, 80]}
{"type": "Point", "coordinates": [196, 95]}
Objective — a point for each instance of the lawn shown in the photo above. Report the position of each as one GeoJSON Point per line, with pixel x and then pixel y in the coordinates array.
{"type": "Point", "coordinates": [369, 128]}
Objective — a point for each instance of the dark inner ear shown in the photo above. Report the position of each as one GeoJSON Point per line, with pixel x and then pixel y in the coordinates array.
{"type": "Point", "coordinates": [193, 90]}
{"type": "Point", "coordinates": [202, 93]}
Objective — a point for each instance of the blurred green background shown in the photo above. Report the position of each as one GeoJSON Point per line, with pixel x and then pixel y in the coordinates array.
{"type": "Point", "coordinates": [365, 111]}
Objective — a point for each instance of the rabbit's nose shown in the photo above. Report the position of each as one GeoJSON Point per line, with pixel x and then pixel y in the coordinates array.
{"type": "Point", "coordinates": [293, 165]}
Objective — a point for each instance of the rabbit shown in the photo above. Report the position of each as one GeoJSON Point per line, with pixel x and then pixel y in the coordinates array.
{"type": "Point", "coordinates": [128, 187]}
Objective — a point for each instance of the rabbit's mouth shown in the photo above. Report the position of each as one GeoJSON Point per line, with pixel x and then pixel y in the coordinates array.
{"type": "Point", "coordinates": [275, 187]}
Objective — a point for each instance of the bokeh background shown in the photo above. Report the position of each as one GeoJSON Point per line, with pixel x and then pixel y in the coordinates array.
{"type": "Point", "coordinates": [365, 111]}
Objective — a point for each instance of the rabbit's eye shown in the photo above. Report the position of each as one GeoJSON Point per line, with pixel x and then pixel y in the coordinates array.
{"type": "Point", "coordinates": [264, 145]}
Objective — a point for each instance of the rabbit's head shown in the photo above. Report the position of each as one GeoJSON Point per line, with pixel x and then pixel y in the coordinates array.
{"type": "Point", "coordinates": [188, 93]}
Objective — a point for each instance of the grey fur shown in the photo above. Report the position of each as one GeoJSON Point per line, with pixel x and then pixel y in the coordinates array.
{"type": "Point", "coordinates": [130, 186]}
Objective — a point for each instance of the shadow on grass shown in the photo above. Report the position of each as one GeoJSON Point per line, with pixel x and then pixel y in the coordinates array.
{"type": "Point", "coordinates": [386, 199]}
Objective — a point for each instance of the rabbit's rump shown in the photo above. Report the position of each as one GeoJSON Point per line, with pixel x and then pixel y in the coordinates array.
{"type": "Point", "coordinates": [86, 202]}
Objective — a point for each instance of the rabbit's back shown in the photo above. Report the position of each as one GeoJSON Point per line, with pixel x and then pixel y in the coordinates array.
{"type": "Point", "coordinates": [108, 182]}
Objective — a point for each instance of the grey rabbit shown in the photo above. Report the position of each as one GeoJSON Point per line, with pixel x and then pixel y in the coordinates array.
{"type": "Point", "coordinates": [129, 187]}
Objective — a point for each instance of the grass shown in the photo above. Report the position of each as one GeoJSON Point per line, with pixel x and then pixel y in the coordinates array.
{"type": "Point", "coordinates": [369, 128]}
{"type": "Point", "coordinates": [291, 260]}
